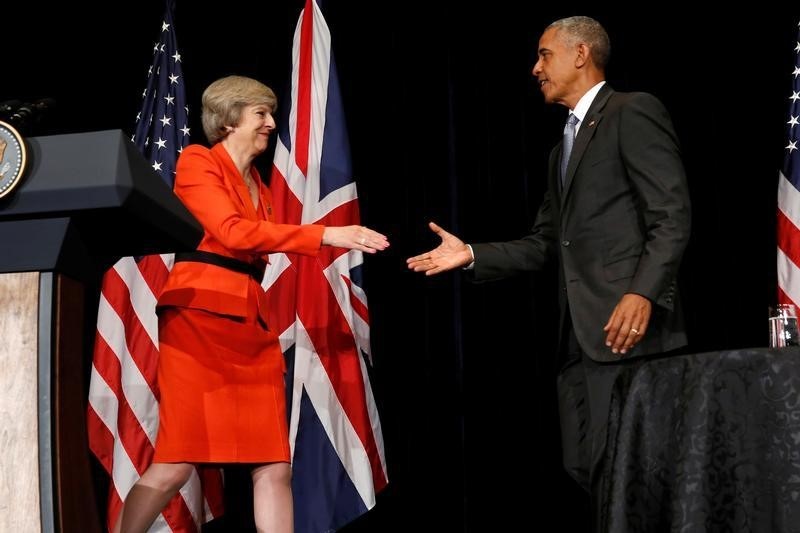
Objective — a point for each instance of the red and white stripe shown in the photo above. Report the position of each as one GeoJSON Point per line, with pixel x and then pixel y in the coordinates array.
{"type": "Point", "coordinates": [788, 242]}
{"type": "Point", "coordinates": [123, 394]}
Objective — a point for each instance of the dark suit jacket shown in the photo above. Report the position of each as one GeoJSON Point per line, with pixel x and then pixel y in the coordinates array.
{"type": "Point", "coordinates": [620, 225]}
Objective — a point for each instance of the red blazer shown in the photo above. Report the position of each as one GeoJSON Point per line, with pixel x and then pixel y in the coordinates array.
{"type": "Point", "coordinates": [210, 186]}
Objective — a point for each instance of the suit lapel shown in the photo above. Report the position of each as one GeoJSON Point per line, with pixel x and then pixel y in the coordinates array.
{"type": "Point", "coordinates": [585, 135]}
{"type": "Point", "coordinates": [587, 129]}
{"type": "Point", "coordinates": [242, 194]}
{"type": "Point", "coordinates": [237, 182]}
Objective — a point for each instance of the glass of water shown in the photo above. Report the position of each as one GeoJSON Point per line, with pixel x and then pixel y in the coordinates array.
{"type": "Point", "coordinates": [783, 326]}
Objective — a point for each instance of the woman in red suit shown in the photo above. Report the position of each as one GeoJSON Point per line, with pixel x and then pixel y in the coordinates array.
{"type": "Point", "coordinates": [221, 370]}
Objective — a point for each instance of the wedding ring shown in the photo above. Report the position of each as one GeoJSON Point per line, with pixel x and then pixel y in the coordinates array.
{"type": "Point", "coordinates": [634, 331]}
{"type": "Point", "coordinates": [363, 241]}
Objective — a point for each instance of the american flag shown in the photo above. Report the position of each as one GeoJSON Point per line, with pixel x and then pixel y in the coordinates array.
{"type": "Point", "coordinates": [338, 461]}
{"type": "Point", "coordinates": [789, 198]}
{"type": "Point", "coordinates": [123, 396]}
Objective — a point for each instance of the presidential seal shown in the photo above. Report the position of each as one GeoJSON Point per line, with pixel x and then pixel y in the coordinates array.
{"type": "Point", "coordinates": [13, 157]}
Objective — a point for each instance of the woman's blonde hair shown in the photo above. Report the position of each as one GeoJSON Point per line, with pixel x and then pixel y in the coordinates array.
{"type": "Point", "coordinates": [224, 100]}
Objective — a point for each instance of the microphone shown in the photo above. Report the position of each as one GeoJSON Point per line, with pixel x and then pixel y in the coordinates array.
{"type": "Point", "coordinates": [27, 111]}
{"type": "Point", "coordinates": [8, 107]}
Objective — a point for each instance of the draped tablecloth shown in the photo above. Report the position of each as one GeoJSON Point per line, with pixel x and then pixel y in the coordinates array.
{"type": "Point", "coordinates": [705, 443]}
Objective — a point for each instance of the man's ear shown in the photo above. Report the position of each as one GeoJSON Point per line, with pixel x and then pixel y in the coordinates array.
{"type": "Point", "coordinates": [583, 55]}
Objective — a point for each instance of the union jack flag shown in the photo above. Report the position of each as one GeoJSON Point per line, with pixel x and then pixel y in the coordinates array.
{"type": "Point", "coordinates": [319, 305]}
{"type": "Point", "coordinates": [123, 396]}
{"type": "Point", "coordinates": [789, 199]}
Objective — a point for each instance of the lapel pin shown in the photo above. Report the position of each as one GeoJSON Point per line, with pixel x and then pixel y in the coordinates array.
{"type": "Point", "coordinates": [591, 124]}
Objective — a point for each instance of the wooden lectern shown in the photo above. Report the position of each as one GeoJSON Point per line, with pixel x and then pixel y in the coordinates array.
{"type": "Point", "coordinates": [85, 201]}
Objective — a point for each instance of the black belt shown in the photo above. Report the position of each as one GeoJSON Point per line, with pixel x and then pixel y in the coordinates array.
{"type": "Point", "coordinates": [199, 256]}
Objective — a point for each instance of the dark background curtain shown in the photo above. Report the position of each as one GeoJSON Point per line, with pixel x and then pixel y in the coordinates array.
{"type": "Point", "coordinates": [446, 123]}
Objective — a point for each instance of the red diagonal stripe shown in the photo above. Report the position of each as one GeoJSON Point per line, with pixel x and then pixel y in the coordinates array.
{"type": "Point", "coordinates": [139, 343]}
{"type": "Point", "coordinates": [213, 489]}
{"type": "Point", "coordinates": [154, 272]}
{"type": "Point", "coordinates": [114, 506]}
{"type": "Point", "coordinates": [358, 306]}
{"type": "Point", "coordinates": [788, 238]}
{"type": "Point", "coordinates": [129, 430]}
{"type": "Point", "coordinates": [282, 294]}
{"type": "Point", "coordinates": [101, 441]}
{"type": "Point", "coordinates": [178, 516]}
{"type": "Point", "coordinates": [783, 298]}
{"type": "Point", "coordinates": [133, 439]}
{"type": "Point", "coordinates": [334, 343]}
{"type": "Point", "coordinates": [289, 209]}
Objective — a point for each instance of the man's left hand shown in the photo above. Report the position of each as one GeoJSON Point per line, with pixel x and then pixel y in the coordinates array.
{"type": "Point", "coordinates": [628, 323]}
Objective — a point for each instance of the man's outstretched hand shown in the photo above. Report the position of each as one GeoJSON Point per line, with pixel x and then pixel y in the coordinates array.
{"type": "Point", "coordinates": [451, 253]}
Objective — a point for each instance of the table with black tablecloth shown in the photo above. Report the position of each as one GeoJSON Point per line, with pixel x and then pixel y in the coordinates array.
{"type": "Point", "coordinates": [705, 442]}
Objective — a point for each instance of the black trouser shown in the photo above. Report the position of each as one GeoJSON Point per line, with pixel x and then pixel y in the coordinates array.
{"type": "Point", "coordinates": [584, 397]}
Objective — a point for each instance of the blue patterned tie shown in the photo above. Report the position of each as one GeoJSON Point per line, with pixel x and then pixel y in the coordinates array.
{"type": "Point", "coordinates": [566, 146]}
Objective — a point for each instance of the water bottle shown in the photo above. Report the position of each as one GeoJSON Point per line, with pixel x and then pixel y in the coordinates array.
{"type": "Point", "coordinates": [783, 326]}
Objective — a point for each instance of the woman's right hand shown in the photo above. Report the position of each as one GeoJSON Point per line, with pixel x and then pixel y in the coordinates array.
{"type": "Point", "coordinates": [355, 238]}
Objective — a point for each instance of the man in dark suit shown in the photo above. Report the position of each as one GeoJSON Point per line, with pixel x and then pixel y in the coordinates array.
{"type": "Point", "coordinates": [616, 216]}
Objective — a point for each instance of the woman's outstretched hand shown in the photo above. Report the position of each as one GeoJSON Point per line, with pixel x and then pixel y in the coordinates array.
{"type": "Point", "coordinates": [355, 238]}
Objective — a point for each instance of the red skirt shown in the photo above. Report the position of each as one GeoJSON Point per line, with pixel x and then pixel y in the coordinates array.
{"type": "Point", "coordinates": [222, 390]}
